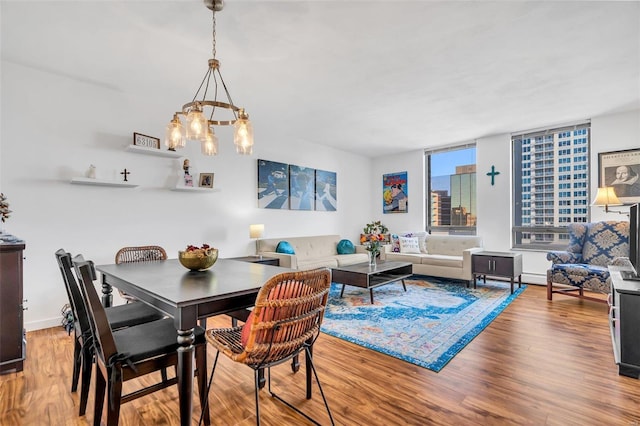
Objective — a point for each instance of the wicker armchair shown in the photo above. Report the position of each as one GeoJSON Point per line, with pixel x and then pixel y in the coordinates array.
{"type": "Point", "coordinates": [285, 321]}
{"type": "Point", "coordinates": [592, 247]}
{"type": "Point", "coordinates": [138, 254]}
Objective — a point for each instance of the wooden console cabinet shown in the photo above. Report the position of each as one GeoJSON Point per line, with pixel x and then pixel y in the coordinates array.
{"type": "Point", "coordinates": [12, 335]}
{"type": "Point", "coordinates": [497, 264]}
{"type": "Point", "coordinates": [624, 322]}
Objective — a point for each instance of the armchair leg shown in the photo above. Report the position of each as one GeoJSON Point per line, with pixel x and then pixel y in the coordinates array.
{"type": "Point", "coordinates": [549, 290]}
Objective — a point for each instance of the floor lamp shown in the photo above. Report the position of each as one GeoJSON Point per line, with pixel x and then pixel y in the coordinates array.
{"type": "Point", "coordinates": [256, 231]}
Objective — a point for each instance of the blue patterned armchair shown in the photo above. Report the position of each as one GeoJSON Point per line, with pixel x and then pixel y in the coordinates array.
{"type": "Point", "coordinates": [592, 247]}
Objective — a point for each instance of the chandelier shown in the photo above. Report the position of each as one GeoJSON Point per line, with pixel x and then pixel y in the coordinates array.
{"type": "Point", "coordinates": [201, 114]}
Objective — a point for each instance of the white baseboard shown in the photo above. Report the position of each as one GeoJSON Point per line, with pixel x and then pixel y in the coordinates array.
{"type": "Point", "coordinates": [41, 324]}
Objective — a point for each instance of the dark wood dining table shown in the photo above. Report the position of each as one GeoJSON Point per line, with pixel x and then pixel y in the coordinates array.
{"type": "Point", "coordinates": [188, 297]}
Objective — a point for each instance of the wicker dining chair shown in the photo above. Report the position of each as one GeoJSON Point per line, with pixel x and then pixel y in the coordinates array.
{"type": "Point", "coordinates": [132, 352]}
{"type": "Point", "coordinates": [138, 254]}
{"type": "Point", "coordinates": [286, 320]}
{"type": "Point", "coordinates": [120, 316]}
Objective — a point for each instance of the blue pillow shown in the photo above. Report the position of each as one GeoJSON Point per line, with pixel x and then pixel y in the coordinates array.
{"type": "Point", "coordinates": [345, 247]}
{"type": "Point", "coordinates": [284, 247]}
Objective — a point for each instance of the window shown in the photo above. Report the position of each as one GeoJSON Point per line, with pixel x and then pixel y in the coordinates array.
{"type": "Point", "coordinates": [560, 179]}
{"type": "Point", "coordinates": [451, 185]}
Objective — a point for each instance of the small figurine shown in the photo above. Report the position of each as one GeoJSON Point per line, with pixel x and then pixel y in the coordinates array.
{"type": "Point", "coordinates": [185, 166]}
{"type": "Point", "coordinates": [91, 173]}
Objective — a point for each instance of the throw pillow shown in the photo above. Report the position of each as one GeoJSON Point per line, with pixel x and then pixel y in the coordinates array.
{"type": "Point", "coordinates": [395, 243]}
{"type": "Point", "coordinates": [422, 239]}
{"type": "Point", "coordinates": [285, 247]}
{"type": "Point", "coordinates": [409, 245]}
{"type": "Point", "coordinates": [345, 247]}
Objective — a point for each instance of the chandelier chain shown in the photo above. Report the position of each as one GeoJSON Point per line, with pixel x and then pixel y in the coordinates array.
{"type": "Point", "coordinates": [213, 50]}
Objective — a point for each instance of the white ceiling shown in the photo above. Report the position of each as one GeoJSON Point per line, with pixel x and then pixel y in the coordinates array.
{"type": "Point", "coordinates": [371, 77]}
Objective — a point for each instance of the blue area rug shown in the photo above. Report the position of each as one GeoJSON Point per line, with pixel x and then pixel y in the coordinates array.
{"type": "Point", "coordinates": [427, 326]}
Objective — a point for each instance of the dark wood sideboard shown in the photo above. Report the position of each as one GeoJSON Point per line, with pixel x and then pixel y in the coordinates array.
{"type": "Point", "coordinates": [12, 334]}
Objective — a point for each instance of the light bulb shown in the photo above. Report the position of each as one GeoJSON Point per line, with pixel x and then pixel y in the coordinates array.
{"type": "Point", "coordinates": [173, 135]}
{"type": "Point", "coordinates": [243, 134]}
{"type": "Point", "coordinates": [210, 143]}
{"type": "Point", "coordinates": [195, 124]}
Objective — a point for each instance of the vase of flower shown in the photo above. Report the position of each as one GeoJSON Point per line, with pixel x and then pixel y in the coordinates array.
{"type": "Point", "coordinates": [372, 258]}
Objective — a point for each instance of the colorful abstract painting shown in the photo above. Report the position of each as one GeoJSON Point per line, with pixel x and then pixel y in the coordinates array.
{"type": "Point", "coordinates": [302, 184]}
{"type": "Point", "coordinates": [326, 191]}
{"type": "Point", "coordinates": [273, 185]}
{"type": "Point", "coordinates": [394, 193]}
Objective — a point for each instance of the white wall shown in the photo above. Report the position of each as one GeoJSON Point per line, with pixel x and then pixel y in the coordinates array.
{"type": "Point", "coordinates": [609, 133]}
{"type": "Point", "coordinates": [53, 127]}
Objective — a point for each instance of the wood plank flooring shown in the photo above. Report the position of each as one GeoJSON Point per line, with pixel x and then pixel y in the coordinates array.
{"type": "Point", "coordinates": [538, 363]}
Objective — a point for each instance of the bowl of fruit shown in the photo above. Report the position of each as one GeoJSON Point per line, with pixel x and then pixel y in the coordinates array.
{"type": "Point", "coordinates": [198, 258]}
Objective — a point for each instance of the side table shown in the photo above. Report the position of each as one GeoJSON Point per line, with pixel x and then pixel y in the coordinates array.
{"type": "Point", "coordinates": [273, 261]}
{"type": "Point", "coordinates": [498, 264]}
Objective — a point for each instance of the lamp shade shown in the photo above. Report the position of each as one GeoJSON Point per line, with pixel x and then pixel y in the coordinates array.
{"type": "Point", "coordinates": [256, 231]}
{"type": "Point", "coordinates": [606, 197]}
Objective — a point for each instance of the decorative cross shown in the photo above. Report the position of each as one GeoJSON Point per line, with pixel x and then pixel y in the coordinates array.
{"type": "Point", "coordinates": [493, 174]}
{"type": "Point", "coordinates": [125, 173]}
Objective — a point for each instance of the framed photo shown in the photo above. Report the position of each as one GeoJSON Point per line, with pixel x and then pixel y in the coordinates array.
{"type": "Point", "coordinates": [146, 141]}
{"type": "Point", "coordinates": [302, 186]}
{"type": "Point", "coordinates": [621, 171]}
{"type": "Point", "coordinates": [206, 180]}
{"type": "Point", "coordinates": [273, 185]}
{"type": "Point", "coordinates": [395, 195]}
{"type": "Point", "coordinates": [326, 191]}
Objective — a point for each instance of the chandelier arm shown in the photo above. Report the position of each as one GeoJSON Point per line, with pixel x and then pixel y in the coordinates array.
{"type": "Point", "coordinates": [227, 93]}
{"type": "Point", "coordinates": [206, 78]}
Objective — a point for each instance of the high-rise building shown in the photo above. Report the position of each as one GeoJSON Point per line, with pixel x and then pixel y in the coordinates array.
{"type": "Point", "coordinates": [463, 196]}
{"type": "Point", "coordinates": [553, 183]}
{"type": "Point", "coordinates": [440, 208]}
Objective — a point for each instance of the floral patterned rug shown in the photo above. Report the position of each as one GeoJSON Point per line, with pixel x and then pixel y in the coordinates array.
{"type": "Point", "coordinates": [427, 326]}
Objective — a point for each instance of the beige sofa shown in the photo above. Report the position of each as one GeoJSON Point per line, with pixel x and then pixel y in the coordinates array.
{"type": "Point", "coordinates": [447, 256]}
{"type": "Point", "coordinates": [311, 252]}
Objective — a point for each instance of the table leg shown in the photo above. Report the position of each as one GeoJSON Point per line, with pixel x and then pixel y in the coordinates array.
{"type": "Point", "coordinates": [519, 281]}
{"type": "Point", "coordinates": [511, 285]}
{"type": "Point", "coordinates": [342, 291]}
{"type": "Point", "coordinates": [371, 295]}
{"type": "Point", "coordinates": [404, 285]}
{"type": "Point", "coordinates": [475, 279]}
{"type": "Point", "coordinates": [185, 374]}
{"type": "Point", "coordinates": [107, 293]}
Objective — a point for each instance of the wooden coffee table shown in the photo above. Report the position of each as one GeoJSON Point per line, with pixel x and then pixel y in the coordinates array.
{"type": "Point", "coordinates": [365, 276]}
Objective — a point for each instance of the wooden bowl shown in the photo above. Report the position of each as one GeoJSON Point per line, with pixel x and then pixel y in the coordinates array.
{"type": "Point", "coordinates": [198, 260]}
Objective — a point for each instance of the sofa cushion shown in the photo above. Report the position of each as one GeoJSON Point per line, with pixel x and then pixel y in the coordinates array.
{"type": "Point", "coordinates": [285, 247]}
{"type": "Point", "coordinates": [345, 247]}
{"type": "Point", "coordinates": [442, 260]}
{"type": "Point", "coordinates": [452, 245]}
{"type": "Point", "coordinates": [318, 262]}
{"type": "Point", "coordinates": [405, 257]}
{"type": "Point", "coordinates": [409, 245]}
{"type": "Point", "coordinates": [352, 259]}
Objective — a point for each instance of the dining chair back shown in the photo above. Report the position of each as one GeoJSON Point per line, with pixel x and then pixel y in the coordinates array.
{"type": "Point", "coordinates": [132, 352]}
{"type": "Point", "coordinates": [138, 254]}
{"type": "Point", "coordinates": [286, 321]}
{"type": "Point", "coordinates": [118, 317]}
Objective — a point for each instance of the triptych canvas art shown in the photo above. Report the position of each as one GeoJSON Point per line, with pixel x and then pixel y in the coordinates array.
{"type": "Point", "coordinates": [287, 186]}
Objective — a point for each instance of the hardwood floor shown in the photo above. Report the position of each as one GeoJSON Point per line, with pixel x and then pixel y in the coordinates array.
{"type": "Point", "coordinates": [538, 363]}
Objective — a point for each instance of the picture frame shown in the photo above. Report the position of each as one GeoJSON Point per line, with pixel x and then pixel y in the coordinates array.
{"type": "Point", "coordinates": [146, 141]}
{"type": "Point", "coordinates": [205, 180]}
{"type": "Point", "coordinates": [621, 170]}
{"type": "Point", "coordinates": [326, 191]}
{"type": "Point", "coordinates": [395, 194]}
{"type": "Point", "coordinates": [273, 185]}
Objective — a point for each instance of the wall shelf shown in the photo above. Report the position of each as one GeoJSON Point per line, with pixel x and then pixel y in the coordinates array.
{"type": "Point", "coordinates": [100, 182]}
{"type": "Point", "coordinates": [194, 189]}
{"type": "Point", "coordinates": [152, 151]}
